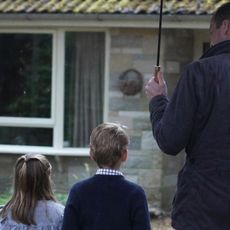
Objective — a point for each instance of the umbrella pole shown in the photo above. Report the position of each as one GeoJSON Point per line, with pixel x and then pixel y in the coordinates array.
{"type": "Point", "coordinates": [157, 66]}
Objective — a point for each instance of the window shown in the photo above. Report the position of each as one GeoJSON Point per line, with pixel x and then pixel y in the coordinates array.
{"type": "Point", "coordinates": [26, 136]}
{"type": "Point", "coordinates": [26, 64]}
{"type": "Point", "coordinates": [52, 90]}
{"type": "Point", "coordinates": [25, 88]}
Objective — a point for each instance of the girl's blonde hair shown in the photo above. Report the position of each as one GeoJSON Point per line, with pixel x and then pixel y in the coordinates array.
{"type": "Point", "coordinates": [32, 182]}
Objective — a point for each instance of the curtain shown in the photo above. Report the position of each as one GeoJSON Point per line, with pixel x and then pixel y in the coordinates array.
{"type": "Point", "coordinates": [86, 86]}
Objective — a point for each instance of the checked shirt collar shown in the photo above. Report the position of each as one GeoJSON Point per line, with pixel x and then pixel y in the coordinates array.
{"type": "Point", "coordinates": [110, 172]}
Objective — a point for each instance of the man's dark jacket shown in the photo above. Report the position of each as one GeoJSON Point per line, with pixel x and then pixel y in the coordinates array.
{"type": "Point", "coordinates": [197, 118]}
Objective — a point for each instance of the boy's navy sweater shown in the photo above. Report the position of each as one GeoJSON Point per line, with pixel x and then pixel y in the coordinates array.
{"type": "Point", "coordinates": [105, 202]}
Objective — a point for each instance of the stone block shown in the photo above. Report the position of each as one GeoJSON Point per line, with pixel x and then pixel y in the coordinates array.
{"type": "Point", "coordinates": [77, 173]}
{"type": "Point", "coordinates": [141, 124]}
{"type": "Point", "coordinates": [153, 196]}
{"type": "Point", "coordinates": [148, 141]}
{"type": "Point", "coordinates": [115, 51]}
{"type": "Point", "coordinates": [167, 195]}
{"type": "Point", "coordinates": [129, 171]}
{"type": "Point", "coordinates": [125, 104]}
{"type": "Point", "coordinates": [126, 40]}
{"type": "Point", "coordinates": [131, 51]}
{"type": "Point", "coordinates": [139, 162]}
{"type": "Point", "coordinates": [115, 31]}
{"type": "Point", "coordinates": [172, 67]}
{"type": "Point", "coordinates": [172, 164]}
{"type": "Point", "coordinates": [121, 62]}
{"type": "Point", "coordinates": [115, 94]}
{"type": "Point", "coordinates": [150, 178]}
{"type": "Point", "coordinates": [150, 44]}
{"type": "Point", "coordinates": [135, 142]}
{"type": "Point", "coordinates": [127, 121]}
{"type": "Point", "coordinates": [157, 159]}
{"type": "Point", "coordinates": [144, 66]}
{"type": "Point", "coordinates": [134, 114]}
{"type": "Point", "coordinates": [143, 57]}
{"type": "Point", "coordinates": [80, 168]}
{"type": "Point", "coordinates": [169, 180]}
{"type": "Point", "coordinates": [113, 81]}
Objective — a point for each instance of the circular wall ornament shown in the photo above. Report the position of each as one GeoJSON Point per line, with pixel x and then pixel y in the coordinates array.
{"type": "Point", "coordinates": [131, 82]}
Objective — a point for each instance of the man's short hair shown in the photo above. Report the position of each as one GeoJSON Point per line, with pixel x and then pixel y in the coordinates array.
{"type": "Point", "coordinates": [221, 14]}
{"type": "Point", "coordinates": [107, 143]}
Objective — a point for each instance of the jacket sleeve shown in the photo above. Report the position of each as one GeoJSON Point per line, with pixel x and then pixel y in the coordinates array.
{"type": "Point", "coordinates": [172, 120]}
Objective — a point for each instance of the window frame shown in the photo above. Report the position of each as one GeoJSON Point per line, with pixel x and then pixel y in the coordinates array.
{"type": "Point", "coordinates": [56, 121]}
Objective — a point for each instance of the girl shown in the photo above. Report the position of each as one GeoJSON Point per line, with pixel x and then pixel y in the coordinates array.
{"type": "Point", "coordinates": [33, 205]}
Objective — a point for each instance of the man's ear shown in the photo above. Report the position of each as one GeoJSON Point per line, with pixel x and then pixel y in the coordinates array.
{"type": "Point", "coordinates": [225, 27]}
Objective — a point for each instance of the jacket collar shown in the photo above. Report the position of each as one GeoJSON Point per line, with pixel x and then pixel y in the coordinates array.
{"type": "Point", "coordinates": [220, 48]}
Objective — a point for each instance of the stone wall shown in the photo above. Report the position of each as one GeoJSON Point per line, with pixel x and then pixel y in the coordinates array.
{"type": "Point", "coordinates": [136, 49]}
{"type": "Point", "coordinates": [66, 171]}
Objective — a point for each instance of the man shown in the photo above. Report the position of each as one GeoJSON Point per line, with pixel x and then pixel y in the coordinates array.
{"type": "Point", "coordinates": [197, 118]}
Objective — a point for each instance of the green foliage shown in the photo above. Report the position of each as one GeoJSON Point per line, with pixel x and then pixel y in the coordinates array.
{"type": "Point", "coordinates": [61, 197]}
{"type": "Point", "coordinates": [4, 198]}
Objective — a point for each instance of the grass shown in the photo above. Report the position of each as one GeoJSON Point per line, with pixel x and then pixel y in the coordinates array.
{"type": "Point", "coordinates": [4, 198]}
{"type": "Point", "coordinates": [61, 197]}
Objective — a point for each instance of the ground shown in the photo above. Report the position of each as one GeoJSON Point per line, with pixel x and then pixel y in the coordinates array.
{"type": "Point", "coordinates": [161, 223]}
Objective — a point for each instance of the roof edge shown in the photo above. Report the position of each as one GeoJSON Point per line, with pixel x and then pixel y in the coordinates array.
{"type": "Point", "coordinates": [108, 20]}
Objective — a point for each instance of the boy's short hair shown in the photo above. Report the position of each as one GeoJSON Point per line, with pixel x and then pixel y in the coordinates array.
{"type": "Point", "coordinates": [107, 143]}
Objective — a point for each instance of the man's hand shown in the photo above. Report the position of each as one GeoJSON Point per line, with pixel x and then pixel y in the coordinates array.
{"type": "Point", "coordinates": [156, 86]}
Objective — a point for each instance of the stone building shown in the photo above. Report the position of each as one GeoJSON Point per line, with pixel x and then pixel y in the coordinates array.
{"type": "Point", "coordinates": [68, 65]}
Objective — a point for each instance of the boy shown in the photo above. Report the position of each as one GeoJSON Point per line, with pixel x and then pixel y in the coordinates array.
{"type": "Point", "coordinates": [107, 201]}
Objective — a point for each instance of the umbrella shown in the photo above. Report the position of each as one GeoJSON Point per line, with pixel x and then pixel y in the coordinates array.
{"type": "Point", "coordinates": [157, 66]}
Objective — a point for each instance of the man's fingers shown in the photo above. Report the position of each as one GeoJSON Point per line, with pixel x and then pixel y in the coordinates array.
{"type": "Point", "coordinates": [160, 78]}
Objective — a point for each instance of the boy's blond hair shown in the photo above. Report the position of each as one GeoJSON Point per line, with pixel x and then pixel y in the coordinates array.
{"type": "Point", "coordinates": [108, 141]}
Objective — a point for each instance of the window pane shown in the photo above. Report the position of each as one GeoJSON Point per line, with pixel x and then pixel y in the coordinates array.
{"type": "Point", "coordinates": [84, 86]}
{"type": "Point", "coordinates": [26, 136]}
{"type": "Point", "coordinates": [25, 76]}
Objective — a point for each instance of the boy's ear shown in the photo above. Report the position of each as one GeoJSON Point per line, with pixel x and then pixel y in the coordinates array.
{"type": "Point", "coordinates": [124, 155]}
{"type": "Point", "coordinates": [91, 157]}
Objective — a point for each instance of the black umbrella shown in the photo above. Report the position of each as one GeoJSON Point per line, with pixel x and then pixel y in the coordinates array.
{"type": "Point", "coordinates": [157, 66]}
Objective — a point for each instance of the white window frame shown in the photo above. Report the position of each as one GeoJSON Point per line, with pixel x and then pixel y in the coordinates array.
{"type": "Point", "coordinates": [56, 121]}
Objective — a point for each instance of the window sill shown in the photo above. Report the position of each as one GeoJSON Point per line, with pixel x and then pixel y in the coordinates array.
{"type": "Point", "coordinates": [18, 149]}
